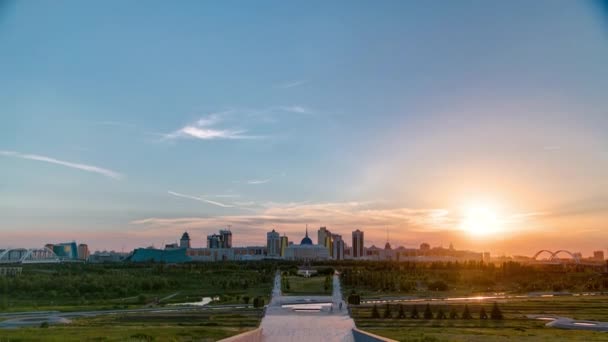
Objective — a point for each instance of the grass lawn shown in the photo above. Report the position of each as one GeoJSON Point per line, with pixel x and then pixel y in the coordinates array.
{"type": "Point", "coordinates": [306, 286]}
{"type": "Point", "coordinates": [208, 325]}
{"type": "Point", "coordinates": [514, 327]}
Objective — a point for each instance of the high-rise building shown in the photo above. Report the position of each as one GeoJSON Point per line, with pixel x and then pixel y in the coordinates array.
{"type": "Point", "coordinates": [284, 244]}
{"type": "Point", "coordinates": [184, 242]}
{"type": "Point", "coordinates": [324, 238]}
{"type": "Point", "coordinates": [221, 240]}
{"type": "Point", "coordinates": [83, 251]}
{"type": "Point", "coordinates": [273, 243]}
{"type": "Point", "coordinates": [226, 237]}
{"type": "Point", "coordinates": [322, 235]}
{"type": "Point", "coordinates": [337, 247]}
{"type": "Point", "coordinates": [358, 244]}
{"type": "Point", "coordinates": [214, 241]}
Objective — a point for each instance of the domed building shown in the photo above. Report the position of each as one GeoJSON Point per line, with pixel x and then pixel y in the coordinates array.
{"type": "Point", "coordinates": [306, 250]}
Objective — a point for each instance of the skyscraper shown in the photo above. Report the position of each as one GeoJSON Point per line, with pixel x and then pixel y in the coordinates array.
{"type": "Point", "coordinates": [322, 234]}
{"type": "Point", "coordinates": [337, 247]}
{"type": "Point", "coordinates": [324, 238]}
{"type": "Point", "coordinates": [284, 244]}
{"type": "Point", "coordinates": [273, 243]}
{"type": "Point", "coordinates": [358, 244]}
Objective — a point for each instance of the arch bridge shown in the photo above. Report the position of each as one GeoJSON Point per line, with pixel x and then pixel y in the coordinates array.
{"type": "Point", "coordinates": [553, 256]}
{"type": "Point", "coordinates": [28, 256]}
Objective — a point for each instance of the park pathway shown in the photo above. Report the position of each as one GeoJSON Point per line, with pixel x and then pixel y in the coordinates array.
{"type": "Point", "coordinates": [329, 324]}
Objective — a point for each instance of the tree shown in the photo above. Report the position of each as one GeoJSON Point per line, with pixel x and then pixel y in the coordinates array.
{"type": "Point", "coordinates": [496, 314]}
{"type": "Point", "coordinates": [466, 314]}
{"type": "Point", "coordinates": [401, 312]}
{"type": "Point", "coordinates": [354, 298]}
{"type": "Point", "coordinates": [375, 313]}
{"type": "Point", "coordinates": [387, 311]}
{"type": "Point", "coordinates": [428, 314]}
{"type": "Point", "coordinates": [453, 313]}
{"type": "Point", "coordinates": [438, 285]}
{"type": "Point", "coordinates": [482, 313]}
{"type": "Point", "coordinates": [440, 314]}
{"type": "Point", "coordinates": [258, 302]}
{"type": "Point", "coordinates": [415, 314]}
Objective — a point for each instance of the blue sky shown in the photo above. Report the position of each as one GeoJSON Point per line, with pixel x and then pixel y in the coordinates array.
{"type": "Point", "coordinates": [125, 123]}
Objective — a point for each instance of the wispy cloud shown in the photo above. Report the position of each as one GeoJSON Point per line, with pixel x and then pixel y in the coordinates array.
{"type": "Point", "coordinates": [228, 196]}
{"type": "Point", "coordinates": [204, 129]}
{"type": "Point", "coordinates": [291, 84]}
{"type": "Point", "coordinates": [258, 181]}
{"type": "Point", "coordinates": [84, 167]}
{"type": "Point", "coordinates": [294, 109]}
{"type": "Point", "coordinates": [200, 199]}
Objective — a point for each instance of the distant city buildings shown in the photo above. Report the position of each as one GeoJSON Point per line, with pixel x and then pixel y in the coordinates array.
{"type": "Point", "coordinates": [329, 246]}
{"type": "Point", "coordinates": [598, 255]}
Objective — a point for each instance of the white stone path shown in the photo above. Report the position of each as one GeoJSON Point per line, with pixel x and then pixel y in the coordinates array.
{"type": "Point", "coordinates": [284, 324]}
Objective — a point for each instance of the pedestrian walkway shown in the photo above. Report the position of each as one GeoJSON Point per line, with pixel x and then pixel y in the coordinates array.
{"type": "Point", "coordinates": [330, 323]}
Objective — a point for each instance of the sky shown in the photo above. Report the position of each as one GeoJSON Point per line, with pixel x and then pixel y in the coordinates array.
{"type": "Point", "coordinates": [125, 123]}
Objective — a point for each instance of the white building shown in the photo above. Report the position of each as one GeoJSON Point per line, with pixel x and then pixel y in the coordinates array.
{"type": "Point", "coordinates": [306, 250]}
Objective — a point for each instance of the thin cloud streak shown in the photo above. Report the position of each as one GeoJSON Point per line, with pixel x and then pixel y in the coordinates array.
{"type": "Point", "coordinates": [292, 84]}
{"type": "Point", "coordinates": [258, 181]}
{"type": "Point", "coordinates": [177, 194]}
{"type": "Point", "coordinates": [84, 167]}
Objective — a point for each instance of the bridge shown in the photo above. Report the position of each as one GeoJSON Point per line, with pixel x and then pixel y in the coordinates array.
{"type": "Point", "coordinates": [28, 256]}
{"type": "Point", "coordinates": [554, 258]}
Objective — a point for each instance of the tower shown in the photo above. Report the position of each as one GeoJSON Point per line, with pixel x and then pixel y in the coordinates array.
{"type": "Point", "coordinates": [184, 242]}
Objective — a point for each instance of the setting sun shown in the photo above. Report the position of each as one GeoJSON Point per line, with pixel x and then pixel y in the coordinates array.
{"type": "Point", "coordinates": [481, 222]}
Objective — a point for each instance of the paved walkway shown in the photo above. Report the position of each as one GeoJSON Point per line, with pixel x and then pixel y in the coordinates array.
{"type": "Point", "coordinates": [329, 324]}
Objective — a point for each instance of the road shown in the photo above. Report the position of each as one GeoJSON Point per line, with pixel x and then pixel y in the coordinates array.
{"type": "Point", "coordinates": [330, 323]}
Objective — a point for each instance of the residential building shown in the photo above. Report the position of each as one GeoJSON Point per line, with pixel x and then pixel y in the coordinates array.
{"type": "Point", "coordinates": [273, 244]}
{"type": "Point", "coordinates": [358, 241]}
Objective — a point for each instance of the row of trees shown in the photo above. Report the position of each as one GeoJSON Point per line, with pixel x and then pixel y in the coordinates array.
{"type": "Point", "coordinates": [124, 283]}
{"type": "Point", "coordinates": [495, 314]}
{"type": "Point", "coordinates": [409, 277]}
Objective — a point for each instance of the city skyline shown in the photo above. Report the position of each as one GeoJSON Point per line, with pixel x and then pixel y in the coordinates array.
{"type": "Point", "coordinates": [145, 123]}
